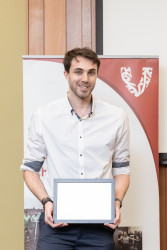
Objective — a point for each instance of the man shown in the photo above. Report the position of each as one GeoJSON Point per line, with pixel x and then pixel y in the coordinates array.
{"type": "Point", "coordinates": [80, 137]}
{"type": "Point", "coordinates": [27, 219]}
{"type": "Point", "coordinates": [35, 221]}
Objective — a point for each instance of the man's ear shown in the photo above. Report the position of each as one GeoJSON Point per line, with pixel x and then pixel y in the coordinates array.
{"type": "Point", "coordinates": [66, 74]}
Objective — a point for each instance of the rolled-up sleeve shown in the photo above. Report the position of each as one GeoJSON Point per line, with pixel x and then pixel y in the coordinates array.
{"type": "Point", "coordinates": [35, 151]}
{"type": "Point", "coordinates": [121, 156]}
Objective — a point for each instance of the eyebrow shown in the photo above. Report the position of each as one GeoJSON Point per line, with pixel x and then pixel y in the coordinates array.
{"type": "Point", "coordinates": [83, 69]}
{"type": "Point", "coordinates": [78, 69]}
{"type": "Point", "coordinates": [93, 69]}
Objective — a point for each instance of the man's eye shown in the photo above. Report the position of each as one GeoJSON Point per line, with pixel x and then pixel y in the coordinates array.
{"type": "Point", "coordinates": [91, 73]}
{"type": "Point", "coordinates": [78, 72]}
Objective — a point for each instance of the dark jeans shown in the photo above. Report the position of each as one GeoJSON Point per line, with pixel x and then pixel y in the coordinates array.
{"type": "Point", "coordinates": [75, 237]}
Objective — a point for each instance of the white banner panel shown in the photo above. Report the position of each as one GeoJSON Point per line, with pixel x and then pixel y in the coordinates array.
{"type": "Point", "coordinates": [44, 82]}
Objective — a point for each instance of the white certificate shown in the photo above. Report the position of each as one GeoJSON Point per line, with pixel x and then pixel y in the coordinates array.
{"type": "Point", "coordinates": [84, 200]}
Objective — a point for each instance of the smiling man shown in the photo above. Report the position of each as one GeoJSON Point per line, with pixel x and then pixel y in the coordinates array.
{"type": "Point", "coordinates": [79, 137]}
{"type": "Point", "coordinates": [81, 78]}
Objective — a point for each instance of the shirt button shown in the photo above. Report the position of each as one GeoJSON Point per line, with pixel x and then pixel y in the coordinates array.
{"type": "Point", "coordinates": [80, 137]}
{"type": "Point", "coordinates": [80, 154]}
{"type": "Point", "coordinates": [81, 173]}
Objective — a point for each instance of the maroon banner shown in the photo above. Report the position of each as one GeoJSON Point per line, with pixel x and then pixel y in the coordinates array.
{"type": "Point", "coordinates": [136, 81]}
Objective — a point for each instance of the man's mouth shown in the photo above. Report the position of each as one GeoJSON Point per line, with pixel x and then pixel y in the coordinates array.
{"type": "Point", "coordinates": [84, 87]}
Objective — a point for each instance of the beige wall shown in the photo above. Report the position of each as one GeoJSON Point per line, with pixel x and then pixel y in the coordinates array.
{"type": "Point", "coordinates": [12, 46]}
{"type": "Point", "coordinates": [139, 28]}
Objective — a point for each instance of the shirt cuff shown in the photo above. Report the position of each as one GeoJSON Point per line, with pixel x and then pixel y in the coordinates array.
{"type": "Point", "coordinates": [23, 167]}
{"type": "Point", "coordinates": [33, 166]}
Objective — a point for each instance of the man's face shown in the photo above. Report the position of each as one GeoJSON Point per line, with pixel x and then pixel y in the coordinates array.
{"type": "Point", "coordinates": [125, 234]}
{"type": "Point", "coordinates": [81, 77]}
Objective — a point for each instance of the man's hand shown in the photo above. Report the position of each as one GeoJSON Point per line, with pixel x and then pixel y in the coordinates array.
{"type": "Point", "coordinates": [121, 186]}
{"type": "Point", "coordinates": [49, 216]}
{"type": "Point", "coordinates": [36, 186]}
{"type": "Point", "coordinates": [117, 219]}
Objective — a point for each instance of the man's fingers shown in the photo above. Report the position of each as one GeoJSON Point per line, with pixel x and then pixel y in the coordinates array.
{"type": "Point", "coordinates": [60, 224]}
{"type": "Point", "coordinates": [49, 221]}
{"type": "Point", "coordinates": [49, 216]}
{"type": "Point", "coordinates": [113, 226]}
{"type": "Point", "coordinates": [57, 225]}
{"type": "Point", "coordinates": [117, 219]}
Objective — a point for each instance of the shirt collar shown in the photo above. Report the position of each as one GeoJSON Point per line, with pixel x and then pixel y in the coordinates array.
{"type": "Point", "coordinates": [72, 110]}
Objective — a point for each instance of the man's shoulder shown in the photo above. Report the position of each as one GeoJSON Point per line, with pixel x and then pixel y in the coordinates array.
{"type": "Point", "coordinates": [57, 104]}
{"type": "Point", "coordinates": [52, 109]}
{"type": "Point", "coordinates": [108, 107]}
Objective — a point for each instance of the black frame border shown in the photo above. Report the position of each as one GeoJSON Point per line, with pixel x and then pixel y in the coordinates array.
{"type": "Point", "coordinates": [99, 27]}
{"type": "Point", "coordinates": [163, 159]}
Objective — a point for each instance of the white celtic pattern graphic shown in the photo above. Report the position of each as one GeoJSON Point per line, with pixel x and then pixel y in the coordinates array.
{"type": "Point", "coordinates": [135, 89]}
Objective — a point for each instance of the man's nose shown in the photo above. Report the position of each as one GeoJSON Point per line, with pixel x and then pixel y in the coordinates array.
{"type": "Point", "coordinates": [85, 77]}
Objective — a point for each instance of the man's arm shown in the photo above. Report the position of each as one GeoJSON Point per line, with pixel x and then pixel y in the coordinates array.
{"type": "Point", "coordinates": [121, 186]}
{"type": "Point", "coordinates": [34, 183]}
{"type": "Point", "coordinates": [120, 166]}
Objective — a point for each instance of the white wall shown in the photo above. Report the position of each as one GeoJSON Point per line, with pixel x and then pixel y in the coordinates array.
{"type": "Point", "coordinates": [134, 27]}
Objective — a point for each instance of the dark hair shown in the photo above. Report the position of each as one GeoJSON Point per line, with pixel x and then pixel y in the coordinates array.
{"type": "Point", "coordinates": [84, 52]}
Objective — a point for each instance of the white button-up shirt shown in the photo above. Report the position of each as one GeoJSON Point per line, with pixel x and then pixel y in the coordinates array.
{"type": "Point", "coordinates": [96, 146]}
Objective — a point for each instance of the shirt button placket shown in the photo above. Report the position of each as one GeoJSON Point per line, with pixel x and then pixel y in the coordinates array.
{"type": "Point", "coordinates": [81, 155]}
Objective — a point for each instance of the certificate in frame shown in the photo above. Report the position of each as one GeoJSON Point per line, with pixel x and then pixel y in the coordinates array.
{"type": "Point", "coordinates": [84, 200]}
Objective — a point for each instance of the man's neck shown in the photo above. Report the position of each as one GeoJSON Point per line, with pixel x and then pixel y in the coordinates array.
{"type": "Point", "coordinates": [81, 106]}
